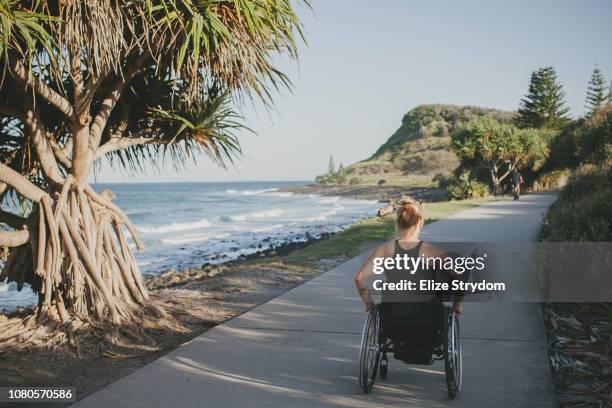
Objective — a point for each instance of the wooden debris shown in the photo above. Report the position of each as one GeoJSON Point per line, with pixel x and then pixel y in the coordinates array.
{"type": "Point", "coordinates": [579, 337]}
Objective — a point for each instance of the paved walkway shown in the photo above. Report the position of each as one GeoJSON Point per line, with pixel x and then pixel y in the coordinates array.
{"type": "Point", "coordinates": [300, 349]}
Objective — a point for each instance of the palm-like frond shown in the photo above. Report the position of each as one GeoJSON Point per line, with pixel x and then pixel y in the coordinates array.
{"type": "Point", "coordinates": [228, 40]}
{"type": "Point", "coordinates": [23, 31]}
{"type": "Point", "coordinates": [208, 127]}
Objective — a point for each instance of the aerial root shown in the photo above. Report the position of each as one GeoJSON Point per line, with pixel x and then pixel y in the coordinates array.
{"type": "Point", "coordinates": [83, 269]}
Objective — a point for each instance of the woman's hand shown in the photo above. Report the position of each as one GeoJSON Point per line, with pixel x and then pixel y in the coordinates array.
{"type": "Point", "coordinates": [458, 309]}
{"type": "Point", "coordinates": [369, 306]}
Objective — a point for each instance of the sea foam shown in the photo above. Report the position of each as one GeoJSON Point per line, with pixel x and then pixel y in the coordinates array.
{"type": "Point", "coordinates": [251, 192]}
{"type": "Point", "coordinates": [187, 239]}
{"type": "Point", "coordinates": [273, 213]}
{"type": "Point", "coordinates": [176, 227]}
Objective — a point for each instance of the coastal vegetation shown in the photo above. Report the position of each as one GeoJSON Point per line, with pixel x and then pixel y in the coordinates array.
{"type": "Point", "coordinates": [488, 147]}
{"type": "Point", "coordinates": [583, 212]}
{"type": "Point", "coordinates": [470, 152]}
{"type": "Point", "coordinates": [136, 83]}
{"type": "Point", "coordinates": [418, 151]}
{"type": "Point", "coordinates": [463, 187]}
{"type": "Point", "coordinates": [579, 333]}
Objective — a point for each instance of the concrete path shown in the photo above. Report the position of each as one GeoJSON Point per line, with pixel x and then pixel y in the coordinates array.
{"type": "Point", "coordinates": [301, 349]}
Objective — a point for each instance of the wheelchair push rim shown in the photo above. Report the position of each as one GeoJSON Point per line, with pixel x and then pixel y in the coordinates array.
{"type": "Point", "coordinates": [452, 356]}
{"type": "Point", "coordinates": [369, 354]}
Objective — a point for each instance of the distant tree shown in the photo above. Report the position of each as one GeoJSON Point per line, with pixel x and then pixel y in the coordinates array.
{"type": "Point", "coordinates": [331, 169]}
{"type": "Point", "coordinates": [596, 92]}
{"type": "Point", "coordinates": [609, 101]}
{"type": "Point", "coordinates": [544, 104]}
{"type": "Point", "coordinates": [499, 148]}
{"type": "Point", "coordinates": [340, 169]}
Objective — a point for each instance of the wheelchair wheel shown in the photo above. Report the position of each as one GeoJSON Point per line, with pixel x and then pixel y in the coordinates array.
{"type": "Point", "coordinates": [452, 356]}
{"type": "Point", "coordinates": [369, 355]}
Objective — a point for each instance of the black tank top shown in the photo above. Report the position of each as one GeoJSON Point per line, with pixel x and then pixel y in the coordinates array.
{"type": "Point", "coordinates": [395, 275]}
{"type": "Point", "coordinates": [414, 251]}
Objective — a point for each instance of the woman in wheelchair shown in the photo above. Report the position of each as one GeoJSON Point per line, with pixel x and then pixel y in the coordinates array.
{"type": "Point", "coordinates": [417, 329]}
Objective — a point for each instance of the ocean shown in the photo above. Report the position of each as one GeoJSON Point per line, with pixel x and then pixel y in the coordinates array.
{"type": "Point", "coordinates": [189, 224]}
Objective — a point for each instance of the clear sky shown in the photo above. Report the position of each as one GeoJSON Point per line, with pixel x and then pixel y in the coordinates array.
{"type": "Point", "coordinates": [368, 62]}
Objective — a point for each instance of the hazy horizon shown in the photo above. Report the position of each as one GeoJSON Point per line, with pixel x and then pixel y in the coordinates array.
{"type": "Point", "coordinates": [365, 67]}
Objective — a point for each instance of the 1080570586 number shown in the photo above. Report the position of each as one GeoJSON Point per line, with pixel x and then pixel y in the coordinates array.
{"type": "Point", "coordinates": [40, 394]}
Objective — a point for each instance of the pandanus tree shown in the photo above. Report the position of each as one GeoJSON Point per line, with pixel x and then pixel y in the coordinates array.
{"type": "Point", "coordinates": [499, 148]}
{"type": "Point", "coordinates": [133, 82]}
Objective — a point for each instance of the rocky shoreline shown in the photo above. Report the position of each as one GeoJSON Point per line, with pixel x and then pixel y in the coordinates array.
{"type": "Point", "coordinates": [173, 278]}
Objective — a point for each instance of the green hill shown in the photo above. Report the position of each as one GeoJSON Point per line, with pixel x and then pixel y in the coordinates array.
{"type": "Point", "coordinates": [418, 150]}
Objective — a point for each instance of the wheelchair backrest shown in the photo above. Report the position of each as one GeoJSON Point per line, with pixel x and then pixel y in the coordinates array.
{"type": "Point", "coordinates": [417, 323]}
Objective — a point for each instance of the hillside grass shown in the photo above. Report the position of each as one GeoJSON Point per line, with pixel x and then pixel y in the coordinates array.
{"type": "Point", "coordinates": [438, 120]}
{"type": "Point", "coordinates": [419, 149]}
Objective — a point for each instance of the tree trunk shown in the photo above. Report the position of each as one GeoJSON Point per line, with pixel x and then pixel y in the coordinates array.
{"type": "Point", "coordinates": [78, 259]}
{"type": "Point", "coordinates": [496, 182]}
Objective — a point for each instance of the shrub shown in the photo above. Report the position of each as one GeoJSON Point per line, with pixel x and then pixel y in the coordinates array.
{"type": "Point", "coordinates": [353, 181]}
{"type": "Point", "coordinates": [587, 179]}
{"type": "Point", "coordinates": [322, 179]}
{"type": "Point", "coordinates": [583, 212]}
{"type": "Point", "coordinates": [596, 146]}
{"type": "Point", "coordinates": [464, 187]}
{"type": "Point", "coordinates": [550, 181]}
{"type": "Point", "coordinates": [381, 182]}
{"type": "Point", "coordinates": [330, 179]}
{"type": "Point", "coordinates": [584, 141]}
{"type": "Point", "coordinates": [444, 181]}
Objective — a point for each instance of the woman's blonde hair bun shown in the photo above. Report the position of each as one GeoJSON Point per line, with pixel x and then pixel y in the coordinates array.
{"type": "Point", "coordinates": [409, 213]}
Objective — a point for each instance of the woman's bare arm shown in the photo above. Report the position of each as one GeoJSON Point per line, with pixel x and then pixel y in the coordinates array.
{"type": "Point", "coordinates": [365, 273]}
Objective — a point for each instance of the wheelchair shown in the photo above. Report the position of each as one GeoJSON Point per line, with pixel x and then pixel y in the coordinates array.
{"type": "Point", "coordinates": [416, 333]}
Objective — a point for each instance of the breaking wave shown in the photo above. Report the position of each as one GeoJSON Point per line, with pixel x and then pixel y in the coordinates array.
{"type": "Point", "coordinates": [176, 227]}
{"type": "Point", "coordinates": [276, 212]}
{"type": "Point", "coordinates": [192, 238]}
{"type": "Point", "coordinates": [251, 192]}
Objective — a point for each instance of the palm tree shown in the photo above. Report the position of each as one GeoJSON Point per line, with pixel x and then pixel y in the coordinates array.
{"type": "Point", "coordinates": [132, 82]}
